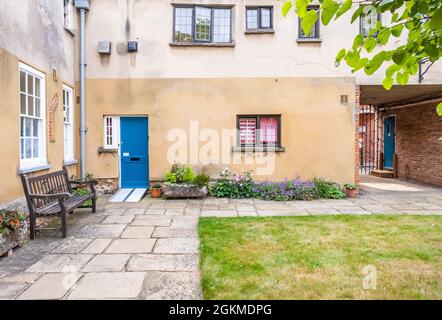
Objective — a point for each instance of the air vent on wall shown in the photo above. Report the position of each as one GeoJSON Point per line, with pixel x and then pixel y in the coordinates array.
{"type": "Point", "coordinates": [104, 47]}
{"type": "Point", "coordinates": [132, 46]}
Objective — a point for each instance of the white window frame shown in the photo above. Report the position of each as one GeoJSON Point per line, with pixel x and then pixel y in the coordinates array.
{"type": "Point", "coordinates": [68, 11]}
{"type": "Point", "coordinates": [115, 136]}
{"type": "Point", "coordinates": [68, 150]}
{"type": "Point", "coordinates": [42, 159]}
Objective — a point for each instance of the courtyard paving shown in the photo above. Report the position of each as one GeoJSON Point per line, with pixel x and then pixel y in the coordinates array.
{"type": "Point", "coordinates": [149, 250]}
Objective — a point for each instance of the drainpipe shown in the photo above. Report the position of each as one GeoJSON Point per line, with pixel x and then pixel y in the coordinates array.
{"type": "Point", "coordinates": [83, 7]}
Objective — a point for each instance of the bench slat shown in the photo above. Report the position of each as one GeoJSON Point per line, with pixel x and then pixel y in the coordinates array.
{"type": "Point", "coordinates": [70, 204]}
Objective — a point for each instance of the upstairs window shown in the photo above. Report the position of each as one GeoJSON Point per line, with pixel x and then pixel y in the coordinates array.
{"type": "Point", "coordinates": [68, 115]}
{"type": "Point", "coordinates": [368, 20]}
{"type": "Point", "coordinates": [202, 24]}
{"type": "Point", "coordinates": [32, 118]}
{"type": "Point", "coordinates": [259, 130]}
{"type": "Point", "coordinates": [68, 11]}
{"type": "Point", "coordinates": [314, 32]}
{"type": "Point", "coordinates": [259, 18]}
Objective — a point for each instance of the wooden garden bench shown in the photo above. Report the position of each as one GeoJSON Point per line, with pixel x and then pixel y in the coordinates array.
{"type": "Point", "coordinates": [52, 194]}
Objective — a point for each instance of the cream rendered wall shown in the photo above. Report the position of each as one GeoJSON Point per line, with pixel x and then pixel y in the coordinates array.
{"type": "Point", "coordinates": [263, 55]}
{"type": "Point", "coordinates": [32, 32]}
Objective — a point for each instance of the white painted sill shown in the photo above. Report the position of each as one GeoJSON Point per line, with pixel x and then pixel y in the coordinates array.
{"type": "Point", "coordinates": [258, 149]}
{"type": "Point", "coordinates": [33, 168]}
{"type": "Point", "coordinates": [70, 162]}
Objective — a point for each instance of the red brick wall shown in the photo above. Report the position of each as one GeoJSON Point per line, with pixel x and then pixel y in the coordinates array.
{"type": "Point", "coordinates": [419, 150]}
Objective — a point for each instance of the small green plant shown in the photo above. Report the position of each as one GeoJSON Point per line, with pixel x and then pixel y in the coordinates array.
{"type": "Point", "coordinates": [10, 221]}
{"type": "Point", "coordinates": [350, 186]}
{"type": "Point", "coordinates": [156, 186]}
{"type": "Point", "coordinates": [180, 174]}
{"type": "Point", "coordinates": [82, 191]}
{"type": "Point", "coordinates": [328, 190]}
{"type": "Point", "coordinates": [202, 180]}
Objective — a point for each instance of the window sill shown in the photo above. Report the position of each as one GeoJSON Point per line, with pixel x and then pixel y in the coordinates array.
{"type": "Point", "coordinates": [260, 31]}
{"type": "Point", "coordinates": [107, 150]}
{"type": "Point", "coordinates": [258, 149]}
{"type": "Point", "coordinates": [309, 40]}
{"type": "Point", "coordinates": [70, 162]}
{"type": "Point", "coordinates": [202, 44]}
{"type": "Point", "coordinates": [29, 169]}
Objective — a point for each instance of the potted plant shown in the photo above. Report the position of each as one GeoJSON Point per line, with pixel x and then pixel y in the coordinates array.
{"type": "Point", "coordinates": [351, 190]}
{"type": "Point", "coordinates": [13, 229]}
{"type": "Point", "coordinates": [155, 191]}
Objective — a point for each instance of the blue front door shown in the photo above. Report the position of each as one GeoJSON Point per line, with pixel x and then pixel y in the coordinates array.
{"type": "Point", "coordinates": [134, 152]}
{"type": "Point", "coordinates": [389, 141]}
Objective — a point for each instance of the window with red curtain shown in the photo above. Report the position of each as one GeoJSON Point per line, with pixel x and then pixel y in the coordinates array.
{"type": "Point", "coordinates": [268, 130]}
{"type": "Point", "coordinates": [259, 130]}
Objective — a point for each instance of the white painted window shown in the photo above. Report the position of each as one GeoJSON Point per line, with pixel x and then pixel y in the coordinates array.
{"type": "Point", "coordinates": [68, 114]}
{"type": "Point", "coordinates": [111, 132]}
{"type": "Point", "coordinates": [32, 118]}
{"type": "Point", "coordinates": [68, 12]}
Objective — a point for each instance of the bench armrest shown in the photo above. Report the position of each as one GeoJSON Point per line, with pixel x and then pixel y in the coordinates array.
{"type": "Point", "coordinates": [60, 196]}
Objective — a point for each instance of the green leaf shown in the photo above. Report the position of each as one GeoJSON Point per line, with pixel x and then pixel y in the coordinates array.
{"type": "Point", "coordinates": [436, 19]}
{"type": "Point", "coordinates": [340, 55]}
{"type": "Point", "coordinates": [344, 8]}
{"type": "Point", "coordinates": [360, 64]}
{"type": "Point", "coordinates": [439, 109]}
{"type": "Point", "coordinates": [400, 57]}
{"type": "Point", "coordinates": [370, 44]}
{"type": "Point", "coordinates": [329, 8]}
{"type": "Point", "coordinates": [387, 83]}
{"type": "Point", "coordinates": [375, 63]}
{"type": "Point", "coordinates": [391, 70]}
{"type": "Point", "coordinates": [302, 6]}
{"type": "Point", "coordinates": [359, 39]}
{"type": "Point", "coordinates": [431, 49]}
{"type": "Point", "coordinates": [413, 35]}
{"type": "Point", "coordinates": [402, 77]}
{"type": "Point", "coordinates": [352, 58]}
{"type": "Point", "coordinates": [357, 13]}
{"type": "Point", "coordinates": [394, 17]}
{"type": "Point", "coordinates": [384, 35]}
{"type": "Point", "coordinates": [397, 30]}
{"type": "Point", "coordinates": [287, 6]}
{"type": "Point", "coordinates": [308, 21]}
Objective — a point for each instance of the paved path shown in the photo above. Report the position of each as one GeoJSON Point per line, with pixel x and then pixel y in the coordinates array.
{"type": "Point", "coordinates": [149, 250]}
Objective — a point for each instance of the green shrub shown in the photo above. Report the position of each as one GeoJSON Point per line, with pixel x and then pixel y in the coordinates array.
{"type": "Point", "coordinates": [10, 221]}
{"type": "Point", "coordinates": [202, 180]}
{"type": "Point", "coordinates": [237, 186]}
{"type": "Point", "coordinates": [328, 190]}
{"type": "Point", "coordinates": [180, 174]}
{"type": "Point", "coordinates": [350, 186]}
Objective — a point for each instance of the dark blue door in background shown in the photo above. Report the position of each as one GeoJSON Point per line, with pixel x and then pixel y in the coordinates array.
{"type": "Point", "coordinates": [134, 152]}
{"type": "Point", "coordinates": [389, 141]}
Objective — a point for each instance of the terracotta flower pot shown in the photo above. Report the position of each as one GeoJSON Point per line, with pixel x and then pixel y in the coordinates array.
{"type": "Point", "coordinates": [155, 193]}
{"type": "Point", "coordinates": [351, 193]}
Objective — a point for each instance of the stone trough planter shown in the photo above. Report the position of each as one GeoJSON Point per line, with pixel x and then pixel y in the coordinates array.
{"type": "Point", "coordinates": [13, 229]}
{"type": "Point", "coordinates": [12, 239]}
{"type": "Point", "coordinates": [183, 191]}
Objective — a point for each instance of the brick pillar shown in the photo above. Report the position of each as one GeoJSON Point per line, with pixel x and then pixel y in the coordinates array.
{"type": "Point", "coordinates": [357, 155]}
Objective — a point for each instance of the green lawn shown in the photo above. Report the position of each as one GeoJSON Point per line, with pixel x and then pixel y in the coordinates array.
{"type": "Point", "coordinates": [321, 257]}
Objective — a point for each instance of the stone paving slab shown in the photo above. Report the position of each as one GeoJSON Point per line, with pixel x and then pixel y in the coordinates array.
{"type": "Point", "coordinates": [148, 221]}
{"type": "Point", "coordinates": [59, 263]}
{"type": "Point", "coordinates": [97, 246]}
{"type": "Point", "coordinates": [137, 232]}
{"type": "Point", "coordinates": [130, 246]}
{"type": "Point", "coordinates": [118, 219]}
{"type": "Point", "coordinates": [107, 262]}
{"type": "Point", "coordinates": [172, 286]}
{"type": "Point", "coordinates": [72, 245]}
{"type": "Point", "coordinates": [163, 262]}
{"type": "Point", "coordinates": [50, 286]}
{"type": "Point", "coordinates": [108, 285]}
{"type": "Point", "coordinates": [167, 232]}
{"type": "Point", "coordinates": [176, 245]}
{"type": "Point", "coordinates": [102, 231]}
